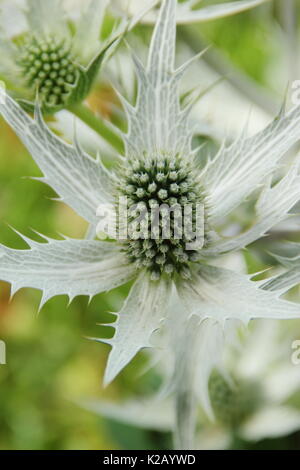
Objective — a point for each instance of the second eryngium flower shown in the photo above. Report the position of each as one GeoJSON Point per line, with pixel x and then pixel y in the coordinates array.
{"type": "Point", "coordinates": [54, 59]}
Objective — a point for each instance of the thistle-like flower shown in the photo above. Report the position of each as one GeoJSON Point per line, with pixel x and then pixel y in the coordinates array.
{"type": "Point", "coordinates": [53, 60]}
{"type": "Point", "coordinates": [161, 168]}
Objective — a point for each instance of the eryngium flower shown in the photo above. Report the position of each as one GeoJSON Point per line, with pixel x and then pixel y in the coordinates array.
{"type": "Point", "coordinates": [160, 165]}
{"type": "Point", "coordinates": [52, 61]}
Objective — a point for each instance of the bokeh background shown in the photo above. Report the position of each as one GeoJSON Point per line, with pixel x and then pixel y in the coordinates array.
{"type": "Point", "coordinates": [51, 365]}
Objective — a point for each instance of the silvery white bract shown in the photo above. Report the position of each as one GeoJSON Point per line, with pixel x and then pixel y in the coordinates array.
{"type": "Point", "coordinates": [288, 255]}
{"type": "Point", "coordinates": [250, 395]}
{"type": "Point", "coordinates": [50, 59]}
{"type": "Point", "coordinates": [190, 11]}
{"type": "Point", "coordinates": [160, 166]}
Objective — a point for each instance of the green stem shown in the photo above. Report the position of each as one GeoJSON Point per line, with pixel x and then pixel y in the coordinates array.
{"type": "Point", "coordinates": [99, 126]}
{"type": "Point", "coordinates": [184, 387]}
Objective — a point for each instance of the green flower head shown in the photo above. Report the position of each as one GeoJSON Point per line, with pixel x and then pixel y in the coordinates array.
{"type": "Point", "coordinates": [54, 59]}
{"type": "Point", "coordinates": [233, 404]}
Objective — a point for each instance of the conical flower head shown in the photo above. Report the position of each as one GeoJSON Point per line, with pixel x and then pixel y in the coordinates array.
{"type": "Point", "coordinates": [54, 60]}
{"type": "Point", "coordinates": [162, 191]}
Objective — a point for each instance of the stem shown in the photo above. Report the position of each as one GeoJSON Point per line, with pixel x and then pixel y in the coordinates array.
{"type": "Point", "coordinates": [185, 425]}
{"type": "Point", "coordinates": [98, 125]}
{"type": "Point", "coordinates": [185, 397]}
{"type": "Point", "coordinates": [288, 13]}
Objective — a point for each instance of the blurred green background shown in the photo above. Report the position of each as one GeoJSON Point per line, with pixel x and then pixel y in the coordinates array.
{"type": "Point", "coordinates": [50, 365]}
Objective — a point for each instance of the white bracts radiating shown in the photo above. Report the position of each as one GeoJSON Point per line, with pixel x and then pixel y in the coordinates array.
{"type": "Point", "coordinates": [156, 122]}
{"type": "Point", "coordinates": [81, 181]}
{"type": "Point", "coordinates": [272, 207]}
{"type": "Point", "coordinates": [222, 294]}
{"type": "Point", "coordinates": [65, 267]}
{"type": "Point", "coordinates": [141, 315]}
{"type": "Point", "coordinates": [239, 169]}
